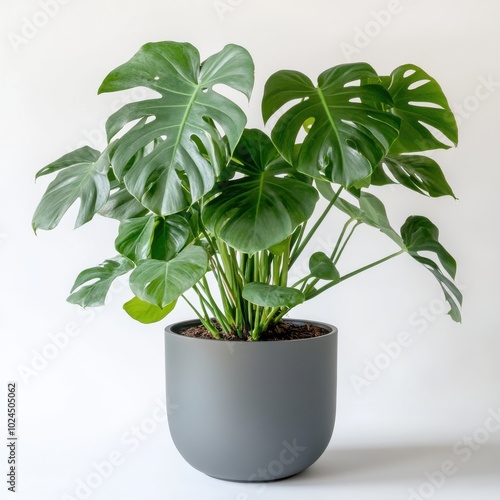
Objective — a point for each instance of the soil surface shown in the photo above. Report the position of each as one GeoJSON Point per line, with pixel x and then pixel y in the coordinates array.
{"type": "Point", "coordinates": [281, 331]}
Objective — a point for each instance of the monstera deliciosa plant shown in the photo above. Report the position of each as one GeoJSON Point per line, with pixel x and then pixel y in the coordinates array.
{"type": "Point", "coordinates": [217, 215]}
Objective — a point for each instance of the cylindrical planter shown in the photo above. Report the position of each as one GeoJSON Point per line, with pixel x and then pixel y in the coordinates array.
{"type": "Point", "coordinates": [251, 411]}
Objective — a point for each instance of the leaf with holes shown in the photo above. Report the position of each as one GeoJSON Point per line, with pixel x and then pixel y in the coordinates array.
{"type": "Point", "coordinates": [351, 131]}
{"type": "Point", "coordinates": [422, 107]}
{"type": "Point", "coordinates": [181, 127]}
{"type": "Point", "coordinates": [94, 293]}
{"type": "Point", "coordinates": [263, 208]}
{"type": "Point", "coordinates": [421, 235]}
{"type": "Point", "coordinates": [160, 282]}
{"type": "Point", "coordinates": [416, 172]}
{"type": "Point", "coordinates": [81, 175]}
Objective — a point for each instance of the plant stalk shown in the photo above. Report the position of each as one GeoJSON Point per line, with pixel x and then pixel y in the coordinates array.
{"type": "Point", "coordinates": [353, 273]}
{"type": "Point", "coordinates": [310, 234]}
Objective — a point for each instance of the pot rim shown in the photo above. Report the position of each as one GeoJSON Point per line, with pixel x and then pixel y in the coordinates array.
{"type": "Point", "coordinates": [333, 330]}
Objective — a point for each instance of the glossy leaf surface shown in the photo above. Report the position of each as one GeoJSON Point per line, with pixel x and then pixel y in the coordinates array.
{"type": "Point", "coordinates": [350, 132]}
{"type": "Point", "coordinates": [187, 151]}
{"type": "Point", "coordinates": [92, 285]}
{"type": "Point", "coordinates": [80, 176]}
{"type": "Point", "coordinates": [263, 208]}
{"type": "Point", "coordinates": [161, 282]}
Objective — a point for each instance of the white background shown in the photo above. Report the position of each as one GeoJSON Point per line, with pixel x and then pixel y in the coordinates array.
{"type": "Point", "coordinates": [106, 380]}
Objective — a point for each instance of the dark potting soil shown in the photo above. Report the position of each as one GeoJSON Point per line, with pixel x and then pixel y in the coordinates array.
{"type": "Point", "coordinates": [281, 331]}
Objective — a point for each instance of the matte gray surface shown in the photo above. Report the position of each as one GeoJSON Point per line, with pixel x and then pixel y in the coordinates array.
{"type": "Point", "coordinates": [251, 411]}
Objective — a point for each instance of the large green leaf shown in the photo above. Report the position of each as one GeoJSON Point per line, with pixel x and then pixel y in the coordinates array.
{"type": "Point", "coordinates": [94, 293]}
{"type": "Point", "coordinates": [152, 236]}
{"type": "Point", "coordinates": [264, 207]}
{"type": "Point", "coordinates": [420, 102]}
{"type": "Point", "coordinates": [147, 313]}
{"type": "Point", "coordinates": [266, 295]}
{"type": "Point", "coordinates": [81, 174]}
{"type": "Point", "coordinates": [421, 235]}
{"type": "Point", "coordinates": [417, 172]}
{"type": "Point", "coordinates": [181, 127]}
{"type": "Point", "coordinates": [160, 282]}
{"type": "Point", "coordinates": [350, 132]}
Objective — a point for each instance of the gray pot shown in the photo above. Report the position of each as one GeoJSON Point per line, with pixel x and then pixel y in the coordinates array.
{"type": "Point", "coordinates": [251, 411]}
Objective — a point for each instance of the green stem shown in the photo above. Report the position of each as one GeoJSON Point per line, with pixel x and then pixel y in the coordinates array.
{"type": "Point", "coordinates": [285, 265]}
{"type": "Point", "coordinates": [310, 234]}
{"type": "Point", "coordinates": [213, 257]}
{"type": "Point", "coordinates": [207, 324]}
{"type": "Point", "coordinates": [339, 240]}
{"type": "Point", "coordinates": [337, 257]}
{"type": "Point", "coordinates": [271, 316]}
{"type": "Point", "coordinates": [264, 267]}
{"type": "Point", "coordinates": [306, 288]}
{"type": "Point", "coordinates": [305, 278]}
{"type": "Point", "coordinates": [276, 269]}
{"type": "Point", "coordinates": [226, 265]}
{"type": "Point", "coordinates": [353, 273]}
{"type": "Point", "coordinates": [200, 316]}
{"type": "Point", "coordinates": [220, 275]}
{"type": "Point", "coordinates": [228, 301]}
{"type": "Point", "coordinates": [209, 302]}
{"type": "Point", "coordinates": [281, 314]}
{"type": "Point", "coordinates": [213, 303]}
{"type": "Point", "coordinates": [298, 241]}
{"type": "Point", "coordinates": [256, 330]}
